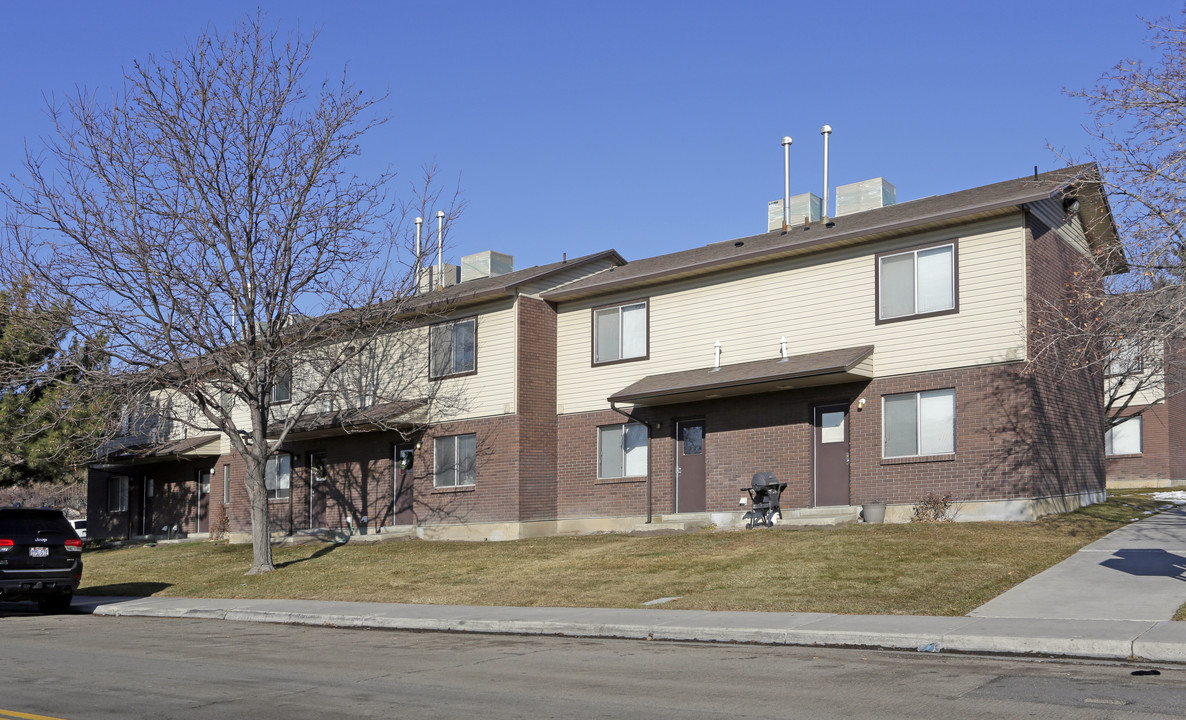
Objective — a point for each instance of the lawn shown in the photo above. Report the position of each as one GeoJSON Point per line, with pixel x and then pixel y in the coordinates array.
{"type": "Point", "coordinates": [914, 569]}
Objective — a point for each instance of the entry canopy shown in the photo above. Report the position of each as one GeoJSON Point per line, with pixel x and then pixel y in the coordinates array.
{"type": "Point", "coordinates": [341, 422]}
{"type": "Point", "coordinates": [831, 367]}
{"type": "Point", "coordinates": [195, 447]}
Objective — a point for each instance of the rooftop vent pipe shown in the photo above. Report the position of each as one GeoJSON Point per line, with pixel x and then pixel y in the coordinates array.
{"type": "Point", "coordinates": [786, 183]}
{"type": "Point", "coordinates": [826, 131]}
{"type": "Point", "coordinates": [440, 246]}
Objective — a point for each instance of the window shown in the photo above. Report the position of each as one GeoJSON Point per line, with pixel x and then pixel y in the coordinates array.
{"type": "Point", "coordinates": [620, 333]}
{"type": "Point", "coordinates": [916, 282]}
{"type": "Point", "coordinates": [1125, 357]}
{"type": "Point", "coordinates": [920, 423]}
{"type": "Point", "coordinates": [281, 388]}
{"type": "Point", "coordinates": [204, 478]}
{"type": "Point", "coordinates": [622, 450]}
{"type": "Point", "coordinates": [318, 470]}
{"type": "Point", "coordinates": [117, 493]}
{"type": "Point", "coordinates": [1124, 438]}
{"type": "Point", "coordinates": [453, 348]}
{"type": "Point", "coordinates": [226, 484]}
{"type": "Point", "coordinates": [455, 460]}
{"type": "Point", "coordinates": [278, 476]}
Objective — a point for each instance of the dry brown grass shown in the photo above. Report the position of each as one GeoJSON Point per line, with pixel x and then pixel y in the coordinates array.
{"type": "Point", "coordinates": [915, 569]}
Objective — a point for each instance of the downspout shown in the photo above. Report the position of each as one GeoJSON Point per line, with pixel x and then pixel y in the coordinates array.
{"type": "Point", "coordinates": [647, 425]}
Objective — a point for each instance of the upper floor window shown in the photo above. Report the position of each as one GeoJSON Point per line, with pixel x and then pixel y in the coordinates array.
{"type": "Point", "coordinates": [916, 283]}
{"type": "Point", "coordinates": [1124, 438]}
{"type": "Point", "coordinates": [281, 391]}
{"type": "Point", "coordinates": [453, 348]}
{"type": "Point", "coordinates": [620, 332]}
{"type": "Point", "coordinates": [918, 423]}
{"type": "Point", "coordinates": [1125, 357]}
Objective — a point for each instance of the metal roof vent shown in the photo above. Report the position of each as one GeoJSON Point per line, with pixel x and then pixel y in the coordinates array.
{"type": "Point", "coordinates": [486, 264]}
{"type": "Point", "coordinates": [807, 205]}
{"type": "Point", "coordinates": [865, 195]}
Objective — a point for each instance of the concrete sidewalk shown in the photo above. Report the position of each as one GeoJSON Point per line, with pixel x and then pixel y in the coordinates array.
{"type": "Point", "coordinates": [1135, 573]}
{"type": "Point", "coordinates": [1112, 599]}
{"type": "Point", "coordinates": [1114, 639]}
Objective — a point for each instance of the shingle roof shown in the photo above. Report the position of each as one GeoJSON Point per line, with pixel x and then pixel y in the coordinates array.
{"type": "Point", "coordinates": [358, 418]}
{"type": "Point", "coordinates": [168, 449]}
{"type": "Point", "coordinates": [491, 287]}
{"type": "Point", "coordinates": [911, 216]}
{"type": "Point", "coordinates": [743, 378]}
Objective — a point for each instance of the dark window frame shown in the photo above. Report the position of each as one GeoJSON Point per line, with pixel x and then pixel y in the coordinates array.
{"type": "Point", "coordinates": [432, 329]}
{"type": "Point", "coordinates": [955, 280]}
{"type": "Point", "coordinates": [593, 361]}
{"type": "Point", "coordinates": [918, 424]}
{"type": "Point", "coordinates": [457, 462]}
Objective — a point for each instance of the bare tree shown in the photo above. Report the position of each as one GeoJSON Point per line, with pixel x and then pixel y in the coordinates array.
{"type": "Point", "coordinates": [1124, 311]}
{"type": "Point", "coordinates": [206, 223]}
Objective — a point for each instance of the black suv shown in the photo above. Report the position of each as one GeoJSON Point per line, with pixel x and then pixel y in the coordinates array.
{"type": "Point", "coordinates": [40, 558]}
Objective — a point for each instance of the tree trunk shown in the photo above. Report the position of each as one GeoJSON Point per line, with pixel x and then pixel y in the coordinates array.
{"type": "Point", "coordinates": [261, 530]}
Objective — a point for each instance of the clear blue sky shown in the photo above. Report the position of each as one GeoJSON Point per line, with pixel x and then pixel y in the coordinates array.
{"type": "Point", "coordinates": [643, 126]}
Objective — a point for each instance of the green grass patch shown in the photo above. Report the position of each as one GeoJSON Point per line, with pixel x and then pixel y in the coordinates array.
{"type": "Point", "coordinates": [914, 569]}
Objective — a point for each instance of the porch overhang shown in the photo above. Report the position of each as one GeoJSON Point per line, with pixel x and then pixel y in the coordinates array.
{"type": "Point", "coordinates": [205, 446]}
{"type": "Point", "coordinates": [384, 416]}
{"type": "Point", "coordinates": [831, 367]}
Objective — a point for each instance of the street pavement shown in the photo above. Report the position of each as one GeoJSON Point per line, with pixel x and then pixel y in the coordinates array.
{"type": "Point", "coordinates": [1112, 599]}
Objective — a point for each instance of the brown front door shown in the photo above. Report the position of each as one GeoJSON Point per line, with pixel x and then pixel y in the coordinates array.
{"type": "Point", "coordinates": [689, 466]}
{"type": "Point", "coordinates": [318, 489]}
{"type": "Point", "coordinates": [830, 440]}
{"type": "Point", "coordinates": [203, 523]}
{"type": "Point", "coordinates": [403, 485]}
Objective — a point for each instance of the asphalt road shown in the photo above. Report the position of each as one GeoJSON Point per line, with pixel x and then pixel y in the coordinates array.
{"type": "Point", "coordinates": [79, 667]}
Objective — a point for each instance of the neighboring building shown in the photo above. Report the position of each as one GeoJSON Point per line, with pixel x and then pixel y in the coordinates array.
{"type": "Point", "coordinates": [878, 356]}
{"type": "Point", "coordinates": [1149, 448]}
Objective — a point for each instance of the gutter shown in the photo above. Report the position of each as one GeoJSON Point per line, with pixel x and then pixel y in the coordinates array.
{"type": "Point", "coordinates": [647, 425]}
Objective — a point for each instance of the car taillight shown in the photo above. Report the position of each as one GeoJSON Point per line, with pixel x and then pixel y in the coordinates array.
{"type": "Point", "coordinates": [6, 544]}
{"type": "Point", "coordinates": [73, 545]}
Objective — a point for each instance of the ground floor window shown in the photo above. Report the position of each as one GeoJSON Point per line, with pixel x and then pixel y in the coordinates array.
{"type": "Point", "coordinates": [622, 451]}
{"type": "Point", "coordinates": [918, 423]}
{"type": "Point", "coordinates": [455, 460]}
{"type": "Point", "coordinates": [226, 484]}
{"type": "Point", "coordinates": [1124, 438]}
{"type": "Point", "coordinates": [278, 476]}
{"type": "Point", "coordinates": [117, 493]}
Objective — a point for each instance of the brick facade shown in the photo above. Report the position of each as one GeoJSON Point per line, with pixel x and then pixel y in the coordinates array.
{"type": "Point", "coordinates": [1152, 465]}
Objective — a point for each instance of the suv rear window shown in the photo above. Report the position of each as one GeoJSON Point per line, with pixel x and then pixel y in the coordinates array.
{"type": "Point", "coordinates": [31, 522]}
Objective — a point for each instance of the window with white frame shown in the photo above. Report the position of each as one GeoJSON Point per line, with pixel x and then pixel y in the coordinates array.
{"type": "Point", "coordinates": [620, 332]}
{"type": "Point", "coordinates": [622, 451]}
{"type": "Point", "coordinates": [117, 493]}
{"type": "Point", "coordinates": [226, 484]}
{"type": "Point", "coordinates": [454, 348]}
{"type": "Point", "coordinates": [916, 282]}
{"type": "Point", "coordinates": [278, 476]}
{"type": "Point", "coordinates": [918, 423]}
{"type": "Point", "coordinates": [455, 460]}
{"type": "Point", "coordinates": [1124, 438]}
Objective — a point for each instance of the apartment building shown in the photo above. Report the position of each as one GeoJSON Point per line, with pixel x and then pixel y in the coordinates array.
{"type": "Point", "coordinates": [877, 355]}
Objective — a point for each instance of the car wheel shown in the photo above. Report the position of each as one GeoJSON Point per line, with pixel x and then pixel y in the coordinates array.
{"type": "Point", "coordinates": [55, 604]}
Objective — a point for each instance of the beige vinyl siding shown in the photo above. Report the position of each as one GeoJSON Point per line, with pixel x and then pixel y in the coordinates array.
{"type": "Point", "coordinates": [491, 391]}
{"type": "Point", "coordinates": [1070, 229]}
{"type": "Point", "coordinates": [823, 302]}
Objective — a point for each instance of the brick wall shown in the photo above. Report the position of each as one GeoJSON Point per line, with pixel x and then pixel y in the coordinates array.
{"type": "Point", "coordinates": [1153, 463]}
{"type": "Point", "coordinates": [536, 406]}
{"type": "Point", "coordinates": [1067, 439]}
{"type": "Point", "coordinates": [173, 501]}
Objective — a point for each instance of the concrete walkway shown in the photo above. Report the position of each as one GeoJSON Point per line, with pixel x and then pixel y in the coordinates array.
{"type": "Point", "coordinates": [1113, 599]}
{"type": "Point", "coordinates": [1135, 573]}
